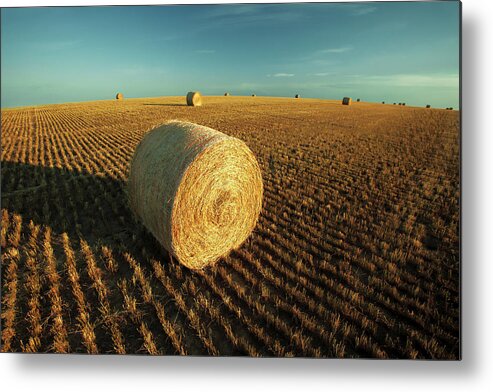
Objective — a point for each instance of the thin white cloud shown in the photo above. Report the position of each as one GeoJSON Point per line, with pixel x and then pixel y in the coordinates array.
{"type": "Point", "coordinates": [321, 74]}
{"type": "Point", "coordinates": [205, 51]}
{"type": "Point", "coordinates": [319, 57]}
{"type": "Point", "coordinates": [363, 10]}
{"type": "Point", "coordinates": [234, 14]}
{"type": "Point", "coordinates": [409, 80]}
{"type": "Point", "coordinates": [55, 46]}
{"type": "Point", "coordinates": [335, 50]}
{"type": "Point", "coordinates": [232, 10]}
{"type": "Point", "coordinates": [352, 9]}
{"type": "Point", "coordinates": [282, 75]}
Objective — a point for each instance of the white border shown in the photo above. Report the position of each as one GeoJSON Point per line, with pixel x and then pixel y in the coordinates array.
{"type": "Point", "coordinates": [131, 373]}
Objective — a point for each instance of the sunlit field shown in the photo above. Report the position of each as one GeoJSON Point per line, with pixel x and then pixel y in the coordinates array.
{"type": "Point", "coordinates": [356, 253]}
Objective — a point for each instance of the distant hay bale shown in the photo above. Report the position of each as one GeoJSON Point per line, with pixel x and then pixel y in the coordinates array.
{"type": "Point", "coordinates": [194, 98]}
{"type": "Point", "coordinates": [119, 96]}
{"type": "Point", "coordinates": [400, 103]}
{"type": "Point", "coordinates": [428, 106]}
{"type": "Point", "coordinates": [198, 191]}
{"type": "Point", "coordinates": [358, 100]}
{"type": "Point", "coordinates": [403, 104]}
{"type": "Point", "coordinates": [394, 103]}
{"type": "Point", "coordinates": [297, 96]}
{"type": "Point", "coordinates": [226, 94]}
{"type": "Point", "coordinates": [254, 95]}
{"type": "Point", "coordinates": [383, 102]}
{"type": "Point", "coordinates": [346, 101]}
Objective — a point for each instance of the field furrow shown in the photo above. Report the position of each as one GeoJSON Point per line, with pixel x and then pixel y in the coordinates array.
{"type": "Point", "coordinates": [355, 255]}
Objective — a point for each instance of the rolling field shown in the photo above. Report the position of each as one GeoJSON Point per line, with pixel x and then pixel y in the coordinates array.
{"type": "Point", "coordinates": [356, 253]}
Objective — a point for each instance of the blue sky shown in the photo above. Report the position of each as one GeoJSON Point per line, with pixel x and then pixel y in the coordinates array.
{"type": "Point", "coordinates": [393, 52]}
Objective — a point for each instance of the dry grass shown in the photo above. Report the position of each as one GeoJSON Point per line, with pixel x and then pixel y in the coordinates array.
{"type": "Point", "coordinates": [356, 252]}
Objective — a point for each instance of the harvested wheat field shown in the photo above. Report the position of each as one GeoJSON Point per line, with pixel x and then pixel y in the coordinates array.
{"type": "Point", "coordinates": [355, 254]}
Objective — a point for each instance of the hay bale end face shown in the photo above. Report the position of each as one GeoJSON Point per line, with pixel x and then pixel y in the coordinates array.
{"type": "Point", "coordinates": [428, 106]}
{"type": "Point", "coordinates": [297, 96]}
{"type": "Point", "coordinates": [403, 104]}
{"type": "Point", "coordinates": [254, 95]}
{"type": "Point", "coordinates": [198, 191]}
{"type": "Point", "coordinates": [358, 100]}
{"type": "Point", "coordinates": [119, 96]}
{"type": "Point", "coordinates": [226, 94]}
{"type": "Point", "coordinates": [194, 98]}
{"type": "Point", "coordinates": [346, 101]}
{"type": "Point", "coordinates": [383, 102]}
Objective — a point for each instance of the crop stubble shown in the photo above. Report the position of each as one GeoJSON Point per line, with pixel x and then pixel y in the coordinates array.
{"type": "Point", "coordinates": [356, 253]}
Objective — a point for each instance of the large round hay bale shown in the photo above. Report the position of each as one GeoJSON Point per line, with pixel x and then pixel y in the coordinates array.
{"type": "Point", "coordinates": [197, 190]}
{"type": "Point", "coordinates": [358, 100]}
{"type": "Point", "coordinates": [346, 101]}
{"type": "Point", "coordinates": [226, 94]}
{"type": "Point", "coordinates": [119, 96]}
{"type": "Point", "coordinates": [428, 106]}
{"type": "Point", "coordinates": [194, 98]}
{"type": "Point", "coordinates": [254, 95]}
{"type": "Point", "coordinates": [297, 96]}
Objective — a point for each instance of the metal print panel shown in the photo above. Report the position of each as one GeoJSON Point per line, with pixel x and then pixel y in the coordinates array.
{"type": "Point", "coordinates": [263, 180]}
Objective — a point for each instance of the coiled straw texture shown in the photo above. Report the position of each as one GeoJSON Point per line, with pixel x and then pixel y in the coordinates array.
{"type": "Point", "coordinates": [197, 190]}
